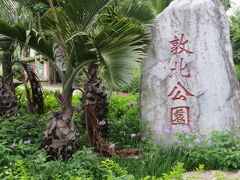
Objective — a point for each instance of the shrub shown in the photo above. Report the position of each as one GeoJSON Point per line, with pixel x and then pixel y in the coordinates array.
{"type": "Point", "coordinates": [21, 154]}
{"type": "Point", "coordinates": [50, 102]}
{"type": "Point", "coordinates": [82, 165]}
{"type": "Point", "coordinates": [237, 67]}
{"type": "Point", "coordinates": [126, 127]}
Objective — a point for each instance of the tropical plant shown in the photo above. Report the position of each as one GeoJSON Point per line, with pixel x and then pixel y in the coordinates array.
{"type": "Point", "coordinates": [80, 33]}
{"type": "Point", "coordinates": [120, 39]}
{"type": "Point", "coordinates": [14, 13]}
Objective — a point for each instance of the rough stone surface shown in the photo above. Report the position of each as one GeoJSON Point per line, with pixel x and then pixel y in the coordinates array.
{"type": "Point", "coordinates": [213, 99]}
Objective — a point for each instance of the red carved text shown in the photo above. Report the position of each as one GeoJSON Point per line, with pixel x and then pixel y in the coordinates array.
{"type": "Point", "coordinates": [179, 45]}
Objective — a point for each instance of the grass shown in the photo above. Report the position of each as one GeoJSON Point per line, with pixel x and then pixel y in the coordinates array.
{"type": "Point", "coordinates": [155, 163]}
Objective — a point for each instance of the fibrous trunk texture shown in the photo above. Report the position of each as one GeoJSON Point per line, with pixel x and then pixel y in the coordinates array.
{"type": "Point", "coordinates": [94, 103]}
{"type": "Point", "coordinates": [36, 104]}
{"type": "Point", "coordinates": [60, 134]}
{"type": "Point", "coordinates": [7, 67]}
{"type": "Point", "coordinates": [95, 107]}
{"type": "Point", "coordinates": [8, 100]}
{"type": "Point", "coordinates": [95, 94]}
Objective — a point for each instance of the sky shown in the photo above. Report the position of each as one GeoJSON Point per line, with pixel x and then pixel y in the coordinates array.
{"type": "Point", "coordinates": [235, 5]}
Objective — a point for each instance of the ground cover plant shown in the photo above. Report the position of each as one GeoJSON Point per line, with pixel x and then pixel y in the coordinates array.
{"type": "Point", "coordinates": [109, 43]}
{"type": "Point", "coordinates": [104, 36]}
{"type": "Point", "coordinates": [22, 154]}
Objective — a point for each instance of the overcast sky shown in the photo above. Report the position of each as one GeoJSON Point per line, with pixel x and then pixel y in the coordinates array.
{"type": "Point", "coordinates": [235, 5]}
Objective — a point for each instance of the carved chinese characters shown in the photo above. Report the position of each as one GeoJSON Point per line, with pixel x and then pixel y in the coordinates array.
{"type": "Point", "coordinates": [179, 45]}
{"type": "Point", "coordinates": [179, 92]}
{"type": "Point", "coordinates": [180, 115]}
{"type": "Point", "coordinates": [188, 80]}
{"type": "Point", "coordinates": [181, 68]}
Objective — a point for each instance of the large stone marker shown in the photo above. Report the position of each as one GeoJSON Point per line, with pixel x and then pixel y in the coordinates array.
{"type": "Point", "coordinates": [189, 82]}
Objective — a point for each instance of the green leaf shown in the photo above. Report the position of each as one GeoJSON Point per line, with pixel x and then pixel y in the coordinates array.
{"type": "Point", "coordinates": [19, 33]}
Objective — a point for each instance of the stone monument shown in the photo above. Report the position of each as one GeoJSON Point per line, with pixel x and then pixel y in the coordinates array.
{"type": "Point", "coordinates": [189, 82]}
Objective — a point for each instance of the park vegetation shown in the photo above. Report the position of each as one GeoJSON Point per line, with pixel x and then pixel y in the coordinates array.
{"type": "Point", "coordinates": [98, 133]}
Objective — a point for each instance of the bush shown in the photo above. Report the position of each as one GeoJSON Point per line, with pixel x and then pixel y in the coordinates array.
{"type": "Point", "coordinates": [82, 165]}
{"type": "Point", "coordinates": [22, 155]}
{"type": "Point", "coordinates": [237, 67]}
{"type": "Point", "coordinates": [221, 151]}
{"type": "Point", "coordinates": [76, 169]}
{"type": "Point", "coordinates": [50, 102]}
{"type": "Point", "coordinates": [126, 127]}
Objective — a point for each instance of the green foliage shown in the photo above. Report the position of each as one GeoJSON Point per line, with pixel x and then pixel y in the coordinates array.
{"type": "Point", "coordinates": [237, 67]}
{"type": "Point", "coordinates": [35, 166]}
{"type": "Point", "coordinates": [176, 173]}
{"type": "Point", "coordinates": [134, 86]}
{"type": "Point", "coordinates": [39, 8]}
{"type": "Point", "coordinates": [21, 158]}
{"type": "Point", "coordinates": [220, 151]}
{"type": "Point", "coordinates": [226, 4]}
{"type": "Point", "coordinates": [160, 5]}
{"type": "Point", "coordinates": [50, 102]}
{"type": "Point", "coordinates": [1, 69]}
{"type": "Point", "coordinates": [21, 172]}
{"type": "Point", "coordinates": [125, 125]}
{"type": "Point", "coordinates": [124, 122]}
{"type": "Point", "coordinates": [114, 172]}
{"type": "Point", "coordinates": [235, 36]}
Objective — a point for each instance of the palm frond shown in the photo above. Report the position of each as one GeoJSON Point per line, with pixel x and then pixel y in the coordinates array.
{"type": "Point", "coordinates": [139, 11]}
{"type": "Point", "coordinates": [120, 52]}
{"type": "Point", "coordinates": [83, 12]}
{"type": "Point", "coordinates": [34, 40]}
{"type": "Point", "coordinates": [5, 42]}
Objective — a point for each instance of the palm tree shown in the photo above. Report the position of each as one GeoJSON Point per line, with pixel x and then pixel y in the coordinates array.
{"type": "Point", "coordinates": [81, 38]}
{"type": "Point", "coordinates": [118, 49]}
{"type": "Point", "coordinates": [137, 16]}
{"type": "Point", "coordinates": [14, 13]}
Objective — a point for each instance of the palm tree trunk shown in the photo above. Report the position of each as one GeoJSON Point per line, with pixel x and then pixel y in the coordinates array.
{"type": "Point", "coordinates": [95, 90]}
{"type": "Point", "coordinates": [8, 100]}
{"type": "Point", "coordinates": [7, 67]}
{"type": "Point", "coordinates": [60, 134]}
{"type": "Point", "coordinates": [35, 101]}
{"type": "Point", "coordinates": [95, 106]}
{"type": "Point", "coordinates": [94, 103]}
